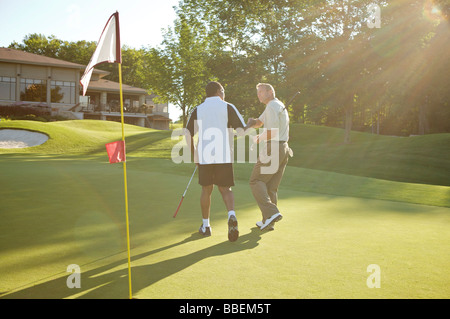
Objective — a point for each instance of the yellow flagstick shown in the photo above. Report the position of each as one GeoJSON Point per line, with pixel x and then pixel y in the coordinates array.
{"type": "Point", "coordinates": [125, 181]}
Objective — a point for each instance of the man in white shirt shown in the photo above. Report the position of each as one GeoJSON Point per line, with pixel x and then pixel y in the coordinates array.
{"type": "Point", "coordinates": [214, 120]}
{"type": "Point", "coordinates": [269, 169]}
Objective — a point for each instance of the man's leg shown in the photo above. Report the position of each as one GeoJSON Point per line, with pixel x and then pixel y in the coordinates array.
{"type": "Point", "coordinates": [274, 182]}
{"type": "Point", "coordinates": [227, 196]}
{"type": "Point", "coordinates": [260, 192]}
{"type": "Point", "coordinates": [265, 186]}
{"type": "Point", "coordinates": [205, 204]}
{"type": "Point", "coordinates": [205, 200]}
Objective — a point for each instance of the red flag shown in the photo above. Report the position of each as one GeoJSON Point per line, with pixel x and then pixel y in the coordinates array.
{"type": "Point", "coordinates": [116, 151]}
{"type": "Point", "coordinates": [108, 49]}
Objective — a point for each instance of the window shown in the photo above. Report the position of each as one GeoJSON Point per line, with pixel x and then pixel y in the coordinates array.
{"type": "Point", "coordinates": [161, 108]}
{"type": "Point", "coordinates": [62, 92]}
{"type": "Point", "coordinates": [32, 90]}
{"type": "Point", "coordinates": [7, 88]}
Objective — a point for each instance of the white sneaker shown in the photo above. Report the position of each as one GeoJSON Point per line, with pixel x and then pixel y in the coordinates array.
{"type": "Point", "coordinates": [260, 223]}
{"type": "Point", "coordinates": [205, 231]}
{"type": "Point", "coordinates": [271, 221]}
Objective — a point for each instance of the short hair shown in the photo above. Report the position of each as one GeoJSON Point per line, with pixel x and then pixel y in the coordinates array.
{"type": "Point", "coordinates": [266, 86]}
{"type": "Point", "coordinates": [212, 88]}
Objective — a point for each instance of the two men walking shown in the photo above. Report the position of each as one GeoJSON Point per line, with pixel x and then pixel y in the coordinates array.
{"type": "Point", "coordinates": [214, 121]}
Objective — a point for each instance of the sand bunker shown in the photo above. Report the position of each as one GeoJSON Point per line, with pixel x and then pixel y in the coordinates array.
{"type": "Point", "coordinates": [20, 138]}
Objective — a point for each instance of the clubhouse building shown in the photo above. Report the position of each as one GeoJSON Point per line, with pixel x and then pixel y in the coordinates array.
{"type": "Point", "coordinates": [33, 80]}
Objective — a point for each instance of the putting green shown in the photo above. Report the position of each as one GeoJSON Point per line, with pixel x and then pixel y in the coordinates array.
{"type": "Point", "coordinates": [62, 212]}
{"type": "Point", "coordinates": [62, 203]}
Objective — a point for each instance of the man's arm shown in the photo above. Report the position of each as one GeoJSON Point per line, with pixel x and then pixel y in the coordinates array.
{"type": "Point", "coordinates": [266, 119]}
{"type": "Point", "coordinates": [253, 123]}
{"type": "Point", "coordinates": [191, 146]}
{"type": "Point", "coordinates": [267, 135]}
{"type": "Point", "coordinates": [190, 131]}
{"type": "Point", "coordinates": [235, 119]}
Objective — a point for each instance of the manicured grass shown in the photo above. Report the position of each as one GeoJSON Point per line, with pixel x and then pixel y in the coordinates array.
{"type": "Point", "coordinates": [416, 159]}
{"type": "Point", "coordinates": [88, 138]}
{"type": "Point", "coordinates": [60, 206]}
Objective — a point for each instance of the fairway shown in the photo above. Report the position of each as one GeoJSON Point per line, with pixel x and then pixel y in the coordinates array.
{"type": "Point", "coordinates": [62, 206]}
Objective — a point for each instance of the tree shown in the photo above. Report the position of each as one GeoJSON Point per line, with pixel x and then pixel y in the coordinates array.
{"type": "Point", "coordinates": [134, 68]}
{"type": "Point", "coordinates": [246, 43]}
{"type": "Point", "coordinates": [77, 52]}
{"type": "Point", "coordinates": [411, 47]}
{"type": "Point", "coordinates": [177, 73]}
{"type": "Point", "coordinates": [39, 44]}
{"type": "Point", "coordinates": [390, 80]}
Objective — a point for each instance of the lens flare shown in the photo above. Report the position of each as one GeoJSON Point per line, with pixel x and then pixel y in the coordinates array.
{"type": "Point", "coordinates": [432, 12]}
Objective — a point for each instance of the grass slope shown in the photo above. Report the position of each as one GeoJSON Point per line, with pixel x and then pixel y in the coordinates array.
{"type": "Point", "coordinates": [417, 159]}
{"type": "Point", "coordinates": [88, 138]}
{"type": "Point", "coordinates": [62, 203]}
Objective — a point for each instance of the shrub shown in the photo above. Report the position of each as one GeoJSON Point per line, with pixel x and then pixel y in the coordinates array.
{"type": "Point", "coordinates": [18, 111]}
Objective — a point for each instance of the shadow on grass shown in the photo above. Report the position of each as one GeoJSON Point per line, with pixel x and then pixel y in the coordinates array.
{"type": "Point", "coordinates": [100, 283]}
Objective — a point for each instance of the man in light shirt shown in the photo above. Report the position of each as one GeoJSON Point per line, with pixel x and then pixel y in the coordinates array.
{"type": "Point", "coordinates": [269, 169]}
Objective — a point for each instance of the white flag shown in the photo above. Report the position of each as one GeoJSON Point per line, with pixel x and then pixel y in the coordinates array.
{"type": "Point", "coordinates": [108, 49]}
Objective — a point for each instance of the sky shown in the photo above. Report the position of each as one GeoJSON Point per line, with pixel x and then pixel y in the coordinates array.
{"type": "Point", "coordinates": [141, 21]}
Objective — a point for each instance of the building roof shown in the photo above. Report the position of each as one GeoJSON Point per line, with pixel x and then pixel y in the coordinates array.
{"type": "Point", "coordinates": [110, 86]}
{"type": "Point", "coordinates": [17, 56]}
{"type": "Point", "coordinates": [11, 55]}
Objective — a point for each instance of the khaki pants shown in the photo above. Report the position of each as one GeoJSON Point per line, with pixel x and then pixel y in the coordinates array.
{"type": "Point", "coordinates": [265, 186]}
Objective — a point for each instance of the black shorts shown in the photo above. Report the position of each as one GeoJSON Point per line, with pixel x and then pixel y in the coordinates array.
{"type": "Point", "coordinates": [218, 174]}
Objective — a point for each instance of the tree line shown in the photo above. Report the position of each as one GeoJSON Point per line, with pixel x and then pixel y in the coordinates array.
{"type": "Point", "coordinates": [386, 78]}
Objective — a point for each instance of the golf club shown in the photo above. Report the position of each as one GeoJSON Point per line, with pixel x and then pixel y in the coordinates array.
{"type": "Point", "coordinates": [292, 98]}
{"type": "Point", "coordinates": [182, 197]}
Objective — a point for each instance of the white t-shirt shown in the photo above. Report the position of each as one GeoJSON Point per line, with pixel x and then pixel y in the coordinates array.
{"type": "Point", "coordinates": [275, 116]}
{"type": "Point", "coordinates": [214, 120]}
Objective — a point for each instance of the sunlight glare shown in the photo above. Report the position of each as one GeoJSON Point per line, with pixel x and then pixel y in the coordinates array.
{"type": "Point", "coordinates": [432, 12]}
